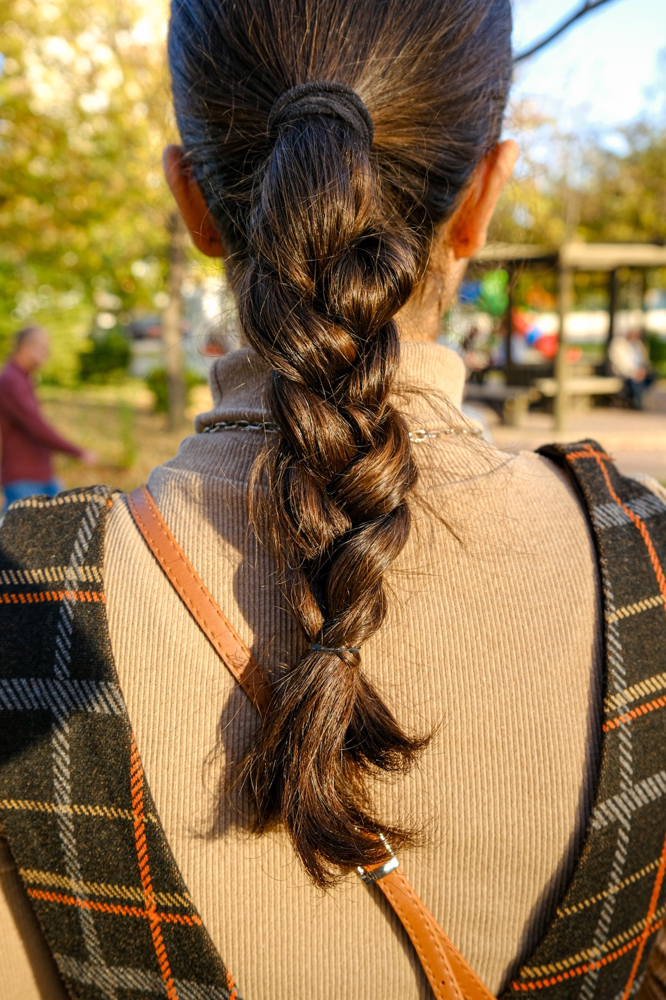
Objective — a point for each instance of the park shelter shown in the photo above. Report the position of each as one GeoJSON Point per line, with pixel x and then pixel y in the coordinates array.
{"type": "Point", "coordinates": [572, 256]}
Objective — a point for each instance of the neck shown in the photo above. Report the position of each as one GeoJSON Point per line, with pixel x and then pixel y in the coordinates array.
{"type": "Point", "coordinates": [238, 381]}
{"type": "Point", "coordinates": [23, 363]}
{"type": "Point", "coordinates": [419, 322]}
{"type": "Point", "coordinates": [420, 319]}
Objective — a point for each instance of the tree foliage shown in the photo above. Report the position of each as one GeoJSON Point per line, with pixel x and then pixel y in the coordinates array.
{"type": "Point", "coordinates": [576, 186]}
{"type": "Point", "coordinates": [84, 112]}
{"type": "Point", "coordinates": [624, 199]}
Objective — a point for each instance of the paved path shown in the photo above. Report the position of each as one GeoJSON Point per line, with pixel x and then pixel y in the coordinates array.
{"type": "Point", "coordinates": [637, 441]}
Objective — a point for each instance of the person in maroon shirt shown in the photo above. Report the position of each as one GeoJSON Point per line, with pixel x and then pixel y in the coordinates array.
{"type": "Point", "coordinates": [27, 440]}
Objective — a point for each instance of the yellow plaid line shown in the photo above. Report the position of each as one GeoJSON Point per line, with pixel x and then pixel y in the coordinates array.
{"type": "Point", "coordinates": [50, 574]}
{"type": "Point", "coordinates": [568, 911]}
{"type": "Point", "coordinates": [61, 500]}
{"type": "Point", "coordinates": [634, 609]}
{"type": "Point", "coordinates": [591, 954]}
{"type": "Point", "coordinates": [106, 812]}
{"type": "Point", "coordinates": [36, 877]}
{"type": "Point", "coordinates": [648, 686]}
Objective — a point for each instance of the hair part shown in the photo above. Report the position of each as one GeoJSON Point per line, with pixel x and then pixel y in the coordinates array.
{"type": "Point", "coordinates": [329, 238]}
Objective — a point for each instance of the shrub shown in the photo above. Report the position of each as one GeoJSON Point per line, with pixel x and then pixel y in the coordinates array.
{"type": "Point", "coordinates": [106, 360]}
{"type": "Point", "coordinates": [657, 349]}
{"type": "Point", "coordinates": [157, 383]}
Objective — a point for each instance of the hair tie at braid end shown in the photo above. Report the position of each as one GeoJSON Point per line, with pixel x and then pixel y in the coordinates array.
{"type": "Point", "coordinates": [335, 649]}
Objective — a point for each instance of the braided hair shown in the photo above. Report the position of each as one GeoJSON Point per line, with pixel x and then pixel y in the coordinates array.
{"type": "Point", "coordinates": [328, 203]}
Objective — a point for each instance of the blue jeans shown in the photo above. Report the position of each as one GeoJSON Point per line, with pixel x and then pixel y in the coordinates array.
{"type": "Point", "coordinates": [636, 390]}
{"type": "Point", "coordinates": [22, 488]}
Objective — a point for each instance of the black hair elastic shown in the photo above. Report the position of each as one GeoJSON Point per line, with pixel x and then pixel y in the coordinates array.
{"type": "Point", "coordinates": [321, 97]}
{"type": "Point", "coordinates": [335, 649]}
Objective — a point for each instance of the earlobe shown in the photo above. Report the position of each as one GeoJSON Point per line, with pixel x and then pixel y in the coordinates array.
{"type": "Point", "coordinates": [191, 203]}
{"type": "Point", "coordinates": [469, 225]}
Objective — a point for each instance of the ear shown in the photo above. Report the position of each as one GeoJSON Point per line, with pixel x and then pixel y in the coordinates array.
{"type": "Point", "coordinates": [190, 201]}
{"type": "Point", "coordinates": [468, 228]}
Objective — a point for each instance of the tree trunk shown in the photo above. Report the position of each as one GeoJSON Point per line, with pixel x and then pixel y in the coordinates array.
{"type": "Point", "coordinates": [565, 306]}
{"type": "Point", "coordinates": [174, 359]}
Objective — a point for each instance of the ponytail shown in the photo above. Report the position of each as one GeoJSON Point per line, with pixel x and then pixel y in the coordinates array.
{"type": "Point", "coordinates": [330, 231]}
{"type": "Point", "coordinates": [324, 278]}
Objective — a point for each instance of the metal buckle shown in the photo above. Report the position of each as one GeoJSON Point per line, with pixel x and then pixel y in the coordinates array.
{"type": "Point", "coordinates": [370, 876]}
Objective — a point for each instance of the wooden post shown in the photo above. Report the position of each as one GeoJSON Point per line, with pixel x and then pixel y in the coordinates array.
{"type": "Point", "coordinates": [174, 359]}
{"type": "Point", "coordinates": [508, 363]}
{"type": "Point", "coordinates": [565, 305]}
{"type": "Point", "coordinates": [612, 309]}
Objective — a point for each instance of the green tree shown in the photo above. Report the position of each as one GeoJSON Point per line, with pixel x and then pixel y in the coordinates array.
{"type": "Point", "coordinates": [542, 202]}
{"type": "Point", "coordinates": [625, 198]}
{"type": "Point", "coordinates": [84, 114]}
{"type": "Point", "coordinates": [570, 186]}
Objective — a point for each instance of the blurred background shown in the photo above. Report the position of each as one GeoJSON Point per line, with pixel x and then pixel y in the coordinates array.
{"type": "Point", "coordinates": [91, 249]}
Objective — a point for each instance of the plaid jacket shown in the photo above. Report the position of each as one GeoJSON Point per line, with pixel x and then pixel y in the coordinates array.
{"type": "Point", "coordinates": [91, 850]}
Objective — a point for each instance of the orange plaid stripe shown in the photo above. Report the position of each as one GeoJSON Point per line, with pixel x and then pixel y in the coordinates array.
{"type": "Point", "coordinates": [648, 930]}
{"type": "Point", "coordinates": [635, 713]}
{"type": "Point", "coordinates": [600, 457]}
{"type": "Point", "coordinates": [580, 970]}
{"type": "Point", "coordinates": [589, 452]}
{"type": "Point", "coordinates": [118, 908]}
{"type": "Point", "coordinates": [37, 596]}
{"type": "Point", "coordinates": [136, 779]}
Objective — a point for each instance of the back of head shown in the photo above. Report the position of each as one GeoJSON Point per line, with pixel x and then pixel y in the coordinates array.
{"type": "Point", "coordinates": [327, 198]}
{"type": "Point", "coordinates": [26, 334]}
{"type": "Point", "coordinates": [31, 347]}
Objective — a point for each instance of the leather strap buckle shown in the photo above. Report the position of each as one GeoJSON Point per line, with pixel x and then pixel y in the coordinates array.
{"type": "Point", "coordinates": [372, 875]}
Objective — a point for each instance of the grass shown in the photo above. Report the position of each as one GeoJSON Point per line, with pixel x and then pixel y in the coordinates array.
{"type": "Point", "coordinates": [118, 424]}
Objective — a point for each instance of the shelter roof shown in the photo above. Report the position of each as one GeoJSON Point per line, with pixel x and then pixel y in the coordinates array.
{"type": "Point", "coordinates": [578, 255]}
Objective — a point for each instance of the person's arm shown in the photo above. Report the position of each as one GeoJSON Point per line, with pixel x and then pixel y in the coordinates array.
{"type": "Point", "coordinates": [22, 409]}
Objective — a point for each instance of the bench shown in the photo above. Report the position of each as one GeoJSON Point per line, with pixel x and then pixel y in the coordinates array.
{"type": "Point", "coordinates": [514, 399]}
{"type": "Point", "coordinates": [586, 385]}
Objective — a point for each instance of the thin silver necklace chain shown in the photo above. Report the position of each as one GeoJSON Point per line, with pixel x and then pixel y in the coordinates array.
{"type": "Point", "coordinates": [416, 436]}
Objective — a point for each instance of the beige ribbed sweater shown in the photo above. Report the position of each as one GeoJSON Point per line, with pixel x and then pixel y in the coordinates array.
{"type": "Point", "coordinates": [493, 638]}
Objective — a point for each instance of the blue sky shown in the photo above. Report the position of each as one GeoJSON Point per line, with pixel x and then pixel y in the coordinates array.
{"type": "Point", "coordinates": [603, 72]}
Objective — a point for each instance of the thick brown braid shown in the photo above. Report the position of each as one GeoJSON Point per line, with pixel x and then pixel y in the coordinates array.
{"type": "Point", "coordinates": [327, 199]}
{"type": "Point", "coordinates": [317, 301]}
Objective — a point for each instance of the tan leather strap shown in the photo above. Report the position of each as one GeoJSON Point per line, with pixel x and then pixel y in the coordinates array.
{"type": "Point", "coordinates": [449, 975]}
{"type": "Point", "coordinates": [198, 599]}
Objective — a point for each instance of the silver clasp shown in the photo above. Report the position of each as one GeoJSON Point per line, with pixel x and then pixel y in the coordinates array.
{"type": "Point", "coordinates": [375, 874]}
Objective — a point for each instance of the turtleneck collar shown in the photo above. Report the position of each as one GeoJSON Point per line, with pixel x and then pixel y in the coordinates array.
{"type": "Point", "coordinates": [238, 381]}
